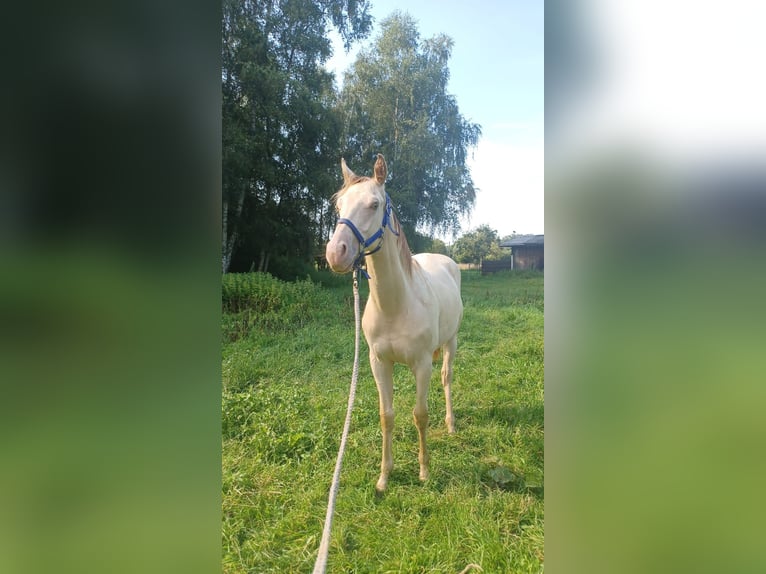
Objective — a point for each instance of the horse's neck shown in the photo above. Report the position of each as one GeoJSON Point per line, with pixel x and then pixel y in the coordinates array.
{"type": "Point", "coordinates": [389, 281]}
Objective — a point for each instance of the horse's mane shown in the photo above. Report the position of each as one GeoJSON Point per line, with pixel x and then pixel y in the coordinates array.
{"type": "Point", "coordinates": [404, 249]}
{"type": "Point", "coordinates": [401, 241]}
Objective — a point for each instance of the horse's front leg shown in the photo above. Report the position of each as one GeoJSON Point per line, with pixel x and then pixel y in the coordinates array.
{"type": "Point", "coordinates": [384, 379]}
{"type": "Point", "coordinates": [422, 372]}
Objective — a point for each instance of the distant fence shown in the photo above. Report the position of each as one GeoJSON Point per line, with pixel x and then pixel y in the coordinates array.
{"type": "Point", "coordinates": [494, 266]}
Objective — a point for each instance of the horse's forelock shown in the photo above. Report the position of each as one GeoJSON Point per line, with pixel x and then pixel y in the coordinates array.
{"type": "Point", "coordinates": [356, 179]}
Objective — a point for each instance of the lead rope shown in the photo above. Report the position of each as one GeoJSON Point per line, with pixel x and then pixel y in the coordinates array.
{"type": "Point", "coordinates": [324, 546]}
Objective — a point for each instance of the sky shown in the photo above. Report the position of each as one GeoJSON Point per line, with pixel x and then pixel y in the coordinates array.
{"type": "Point", "coordinates": [497, 77]}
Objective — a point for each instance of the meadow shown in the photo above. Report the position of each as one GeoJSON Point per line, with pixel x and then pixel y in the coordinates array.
{"type": "Point", "coordinates": [287, 361]}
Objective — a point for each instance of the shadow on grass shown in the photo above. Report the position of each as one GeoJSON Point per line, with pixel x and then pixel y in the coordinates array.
{"type": "Point", "coordinates": [505, 413]}
{"type": "Point", "coordinates": [515, 415]}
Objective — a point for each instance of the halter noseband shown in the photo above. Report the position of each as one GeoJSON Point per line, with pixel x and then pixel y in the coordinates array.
{"type": "Point", "coordinates": [377, 236]}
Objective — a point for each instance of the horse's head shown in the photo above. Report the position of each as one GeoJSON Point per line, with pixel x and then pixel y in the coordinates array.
{"type": "Point", "coordinates": [364, 211]}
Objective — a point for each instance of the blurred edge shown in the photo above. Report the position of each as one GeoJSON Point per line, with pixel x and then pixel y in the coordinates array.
{"type": "Point", "coordinates": [110, 297]}
{"type": "Point", "coordinates": [655, 282]}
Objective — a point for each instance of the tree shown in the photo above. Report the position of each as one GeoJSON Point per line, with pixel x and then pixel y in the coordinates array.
{"type": "Point", "coordinates": [476, 245]}
{"type": "Point", "coordinates": [438, 246]}
{"type": "Point", "coordinates": [394, 101]}
{"type": "Point", "coordinates": [280, 131]}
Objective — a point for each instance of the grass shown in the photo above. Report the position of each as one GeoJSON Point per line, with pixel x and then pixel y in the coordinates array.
{"type": "Point", "coordinates": [284, 398]}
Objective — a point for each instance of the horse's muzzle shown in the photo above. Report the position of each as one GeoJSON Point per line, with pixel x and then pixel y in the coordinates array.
{"type": "Point", "coordinates": [340, 253]}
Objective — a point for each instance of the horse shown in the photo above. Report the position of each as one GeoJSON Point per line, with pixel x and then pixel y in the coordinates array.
{"type": "Point", "coordinates": [414, 307]}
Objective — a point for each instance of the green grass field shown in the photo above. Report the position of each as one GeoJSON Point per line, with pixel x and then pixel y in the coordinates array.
{"type": "Point", "coordinates": [287, 363]}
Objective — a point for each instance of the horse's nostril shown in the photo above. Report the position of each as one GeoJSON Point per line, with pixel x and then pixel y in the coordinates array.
{"type": "Point", "coordinates": [342, 249]}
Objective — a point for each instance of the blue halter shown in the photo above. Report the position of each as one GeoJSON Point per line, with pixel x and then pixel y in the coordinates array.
{"type": "Point", "coordinates": [377, 236]}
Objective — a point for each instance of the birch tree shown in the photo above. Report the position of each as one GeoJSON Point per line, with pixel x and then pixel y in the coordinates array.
{"type": "Point", "coordinates": [395, 101]}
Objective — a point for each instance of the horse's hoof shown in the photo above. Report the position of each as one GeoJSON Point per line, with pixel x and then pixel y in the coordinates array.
{"type": "Point", "coordinates": [380, 486]}
{"type": "Point", "coordinates": [423, 475]}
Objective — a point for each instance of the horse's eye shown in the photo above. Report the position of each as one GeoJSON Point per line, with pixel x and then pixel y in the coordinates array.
{"type": "Point", "coordinates": [374, 204]}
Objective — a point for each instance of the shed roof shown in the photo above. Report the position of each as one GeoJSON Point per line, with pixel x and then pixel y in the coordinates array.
{"type": "Point", "coordinates": [523, 240]}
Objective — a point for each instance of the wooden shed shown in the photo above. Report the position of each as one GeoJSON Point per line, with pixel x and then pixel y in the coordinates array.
{"type": "Point", "coordinates": [527, 251]}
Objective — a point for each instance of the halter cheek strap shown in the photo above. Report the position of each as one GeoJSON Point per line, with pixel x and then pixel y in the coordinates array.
{"type": "Point", "coordinates": [364, 244]}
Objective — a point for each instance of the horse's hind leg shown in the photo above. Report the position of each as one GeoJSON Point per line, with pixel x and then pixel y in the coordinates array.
{"type": "Point", "coordinates": [449, 357]}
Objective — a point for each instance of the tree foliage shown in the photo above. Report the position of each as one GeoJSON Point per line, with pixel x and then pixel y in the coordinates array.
{"type": "Point", "coordinates": [285, 127]}
{"type": "Point", "coordinates": [482, 243]}
{"type": "Point", "coordinates": [438, 246]}
{"type": "Point", "coordinates": [280, 131]}
{"type": "Point", "coordinates": [394, 101]}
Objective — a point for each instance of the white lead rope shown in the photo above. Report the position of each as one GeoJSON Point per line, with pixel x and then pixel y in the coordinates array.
{"type": "Point", "coordinates": [324, 546]}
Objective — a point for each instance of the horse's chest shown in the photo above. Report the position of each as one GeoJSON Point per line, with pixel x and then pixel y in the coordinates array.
{"type": "Point", "coordinates": [399, 339]}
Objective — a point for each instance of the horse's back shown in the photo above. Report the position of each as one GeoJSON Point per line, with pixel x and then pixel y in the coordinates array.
{"type": "Point", "coordinates": [443, 276]}
{"type": "Point", "coordinates": [438, 266]}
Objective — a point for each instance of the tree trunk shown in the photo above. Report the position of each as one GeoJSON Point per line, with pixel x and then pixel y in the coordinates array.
{"type": "Point", "coordinates": [230, 230]}
{"type": "Point", "coordinates": [263, 262]}
{"type": "Point", "coordinates": [225, 251]}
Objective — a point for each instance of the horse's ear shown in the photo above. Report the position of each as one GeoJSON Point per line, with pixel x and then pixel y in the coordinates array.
{"type": "Point", "coordinates": [380, 169]}
{"type": "Point", "coordinates": [348, 175]}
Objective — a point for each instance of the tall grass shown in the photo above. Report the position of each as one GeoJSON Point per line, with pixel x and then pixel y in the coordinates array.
{"type": "Point", "coordinates": [284, 398]}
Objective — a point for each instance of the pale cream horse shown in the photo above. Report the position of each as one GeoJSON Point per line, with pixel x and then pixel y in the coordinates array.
{"type": "Point", "coordinates": [414, 308]}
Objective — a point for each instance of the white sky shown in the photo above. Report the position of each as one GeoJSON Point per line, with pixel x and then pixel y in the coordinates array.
{"type": "Point", "coordinates": [682, 87]}
{"type": "Point", "coordinates": [497, 77]}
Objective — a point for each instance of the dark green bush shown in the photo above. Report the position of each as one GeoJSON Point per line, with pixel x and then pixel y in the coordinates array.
{"type": "Point", "coordinates": [329, 279]}
{"type": "Point", "coordinates": [289, 269]}
{"type": "Point", "coordinates": [258, 300]}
